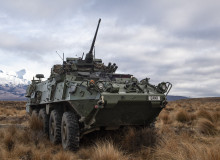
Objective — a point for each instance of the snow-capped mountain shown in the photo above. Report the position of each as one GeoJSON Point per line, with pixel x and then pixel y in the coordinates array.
{"type": "Point", "coordinates": [13, 79]}
{"type": "Point", "coordinates": [13, 85]}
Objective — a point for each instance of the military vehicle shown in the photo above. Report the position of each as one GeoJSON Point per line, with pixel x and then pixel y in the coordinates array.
{"type": "Point", "coordinates": [83, 95]}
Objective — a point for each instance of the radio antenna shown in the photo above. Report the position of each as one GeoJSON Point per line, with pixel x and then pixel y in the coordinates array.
{"type": "Point", "coordinates": [60, 56]}
{"type": "Point", "coordinates": [63, 58]}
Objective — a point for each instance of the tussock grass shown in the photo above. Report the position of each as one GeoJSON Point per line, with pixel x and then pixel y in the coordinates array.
{"type": "Point", "coordinates": [196, 137]}
{"type": "Point", "coordinates": [216, 117]}
{"type": "Point", "coordinates": [205, 114]}
{"type": "Point", "coordinates": [183, 116]}
{"type": "Point", "coordinates": [9, 142]}
{"type": "Point", "coordinates": [8, 138]}
{"type": "Point", "coordinates": [64, 155]}
{"type": "Point", "coordinates": [84, 153]}
{"type": "Point", "coordinates": [1, 155]}
{"type": "Point", "coordinates": [206, 127]}
{"type": "Point", "coordinates": [135, 139]}
{"type": "Point", "coordinates": [107, 151]}
{"type": "Point", "coordinates": [165, 118]}
{"type": "Point", "coordinates": [184, 149]}
{"type": "Point", "coordinates": [35, 123]}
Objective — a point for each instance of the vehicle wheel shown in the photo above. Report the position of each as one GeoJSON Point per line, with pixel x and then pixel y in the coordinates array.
{"type": "Point", "coordinates": [55, 127]}
{"type": "Point", "coordinates": [45, 119]}
{"type": "Point", "coordinates": [34, 113]}
{"type": "Point", "coordinates": [70, 131]}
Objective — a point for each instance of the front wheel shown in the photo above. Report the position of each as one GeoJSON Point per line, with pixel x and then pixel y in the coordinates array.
{"type": "Point", "coordinates": [70, 131]}
{"type": "Point", "coordinates": [55, 127]}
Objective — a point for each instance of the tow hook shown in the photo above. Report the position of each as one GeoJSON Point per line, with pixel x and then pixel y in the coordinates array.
{"type": "Point", "coordinates": [100, 103]}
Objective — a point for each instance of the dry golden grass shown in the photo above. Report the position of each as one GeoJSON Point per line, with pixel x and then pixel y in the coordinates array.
{"type": "Point", "coordinates": [182, 116]}
{"type": "Point", "coordinates": [206, 127]}
{"type": "Point", "coordinates": [136, 139]}
{"type": "Point", "coordinates": [185, 129]}
{"type": "Point", "coordinates": [35, 124]}
{"type": "Point", "coordinates": [106, 151]}
{"type": "Point", "coordinates": [205, 114]}
{"type": "Point", "coordinates": [184, 149]}
{"type": "Point", "coordinates": [12, 112]}
{"type": "Point", "coordinates": [165, 118]}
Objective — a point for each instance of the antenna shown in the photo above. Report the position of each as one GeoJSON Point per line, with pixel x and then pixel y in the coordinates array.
{"type": "Point", "coordinates": [63, 58]}
{"type": "Point", "coordinates": [60, 56]}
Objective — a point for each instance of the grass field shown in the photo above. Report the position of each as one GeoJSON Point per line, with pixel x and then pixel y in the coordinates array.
{"type": "Point", "coordinates": [185, 130]}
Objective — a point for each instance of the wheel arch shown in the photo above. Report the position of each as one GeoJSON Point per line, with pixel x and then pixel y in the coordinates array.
{"type": "Point", "coordinates": [61, 106]}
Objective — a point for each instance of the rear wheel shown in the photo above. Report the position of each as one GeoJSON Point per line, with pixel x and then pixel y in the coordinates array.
{"type": "Point", "coordinates": [70, 131]}
{"type": "Point", "coordinates": [55, 127]}
{"type": "Point", "coordinates": [45, 120]}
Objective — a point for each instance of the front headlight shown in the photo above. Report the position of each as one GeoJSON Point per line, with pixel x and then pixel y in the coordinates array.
{"type": "Point", "coordinates": [101, 86]}
{"type": "Point", "coordinates": [162, 87]}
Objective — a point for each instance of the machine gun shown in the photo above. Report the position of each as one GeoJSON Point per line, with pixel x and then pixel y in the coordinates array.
{"type": "Point", "coordinates": [89, 56]}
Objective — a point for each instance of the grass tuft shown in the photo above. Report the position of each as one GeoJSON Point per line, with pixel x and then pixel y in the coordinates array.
{"type": "Point", "coordinates": [35, 123]}
{"type": "Point", "coordinates": [165, 118]}
{"type": "Point", "coordinates": [206, 127]}
{"type": "Point", "coordinates": [106, 151]}
{"type": "Point", "coordinates": [62, 155]}
{"type": "Point", "coordinates": [9, 142]}
{"type": "Point", "coordinates": [182, 116]}
{"type": "Point", "coordinates": [216, 117]}
{"type": "Point", "coordinates": [205, 114]}
{"type": "Point", "coordinates": [134, 139]}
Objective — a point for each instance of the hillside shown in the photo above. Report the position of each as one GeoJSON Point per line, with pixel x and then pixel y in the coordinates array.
{"type": "Point", "coordinates": [185, 129]}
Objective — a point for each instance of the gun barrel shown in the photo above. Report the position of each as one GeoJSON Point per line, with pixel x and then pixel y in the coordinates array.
{"type": "Point", "coordinates": [94, 39]}
{"type": "Point", "coordinates": [89, 56]}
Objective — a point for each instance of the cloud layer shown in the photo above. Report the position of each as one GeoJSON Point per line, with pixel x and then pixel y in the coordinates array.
{"type": "Point", "coordinates": [176, 41]}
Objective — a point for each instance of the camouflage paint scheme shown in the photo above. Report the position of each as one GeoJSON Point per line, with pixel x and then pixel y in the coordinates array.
{"type": "Point", "coordinates": [99, 97]}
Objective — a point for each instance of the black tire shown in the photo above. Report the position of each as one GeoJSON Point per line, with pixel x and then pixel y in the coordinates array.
{"type": "Point", "coordinates": [34, 113]}
{"type": "Point", "coordinates": [70, 131]}
{"type": "Point", "coordinates": [45, 119]}
{"type": "Point", "coordinates": [55, 127]}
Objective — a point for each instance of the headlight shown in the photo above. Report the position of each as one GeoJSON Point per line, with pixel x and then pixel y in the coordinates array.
{"type": "Point", "coordinates": [101, 86]}
{"type": "Point", "coordinates": [162, 87]}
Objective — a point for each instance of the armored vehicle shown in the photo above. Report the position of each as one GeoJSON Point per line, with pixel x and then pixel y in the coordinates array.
{"type": "Point", "coordinates": [83, 95]}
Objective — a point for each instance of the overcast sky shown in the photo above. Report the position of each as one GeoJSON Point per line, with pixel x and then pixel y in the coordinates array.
{"type": "Point", "coordinates": [165, 40]}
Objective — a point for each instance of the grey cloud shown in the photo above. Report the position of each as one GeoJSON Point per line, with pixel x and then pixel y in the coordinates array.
{"type": "Point", "coordinates": [164, 40]}
{"type": "Point", "coordinates": [41, 10]}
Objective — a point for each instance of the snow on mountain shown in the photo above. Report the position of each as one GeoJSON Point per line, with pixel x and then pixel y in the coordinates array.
{"type": "Point", "coordinates": [13, 78]}
{"type": "Point", "coordinates": [21, 73]}
{"type": "Point", "coordinates": [12, 84]}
